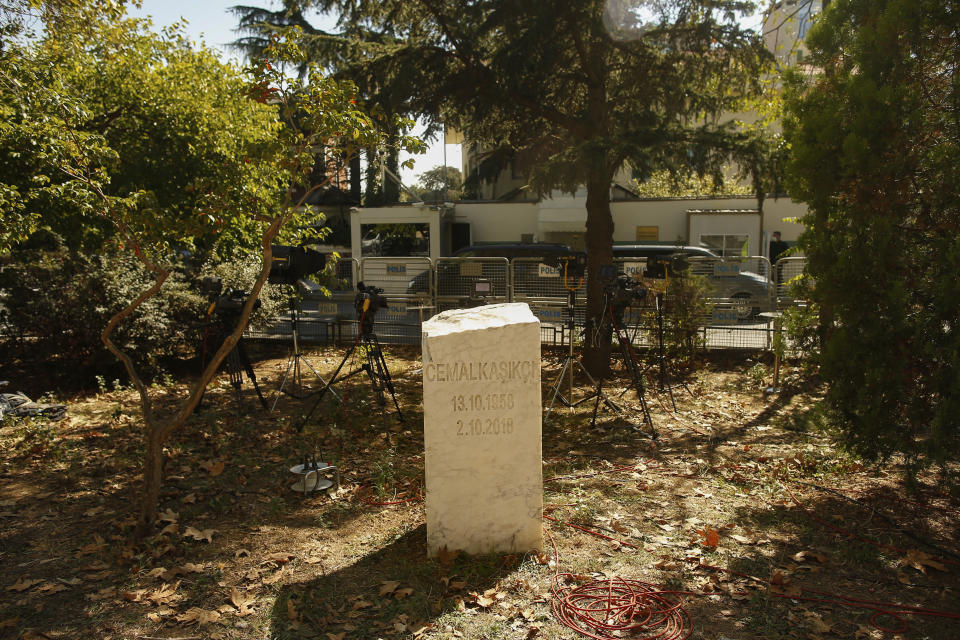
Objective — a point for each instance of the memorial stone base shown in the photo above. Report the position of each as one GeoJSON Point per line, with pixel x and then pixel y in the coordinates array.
{"type": "Point", "coordinates": [482, 430]}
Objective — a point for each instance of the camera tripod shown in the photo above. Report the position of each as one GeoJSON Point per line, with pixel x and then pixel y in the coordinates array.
{"type": "Point", "coordinates": [237, 362]}
{"type": "Point", "coordinates": [609, 321]}
{"type": "Point", "coordinates": [570, 363]}
{"type": "Point", "coordinates": [664, 381]}
{"type": "Point", "coordinates": [295, 360]}
{"type": "Point", "coordinates": [374, 366]}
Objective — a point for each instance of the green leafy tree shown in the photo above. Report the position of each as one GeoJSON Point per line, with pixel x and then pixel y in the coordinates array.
{"type": "Point", "coordinates": [156, 123]}
{"type": "Point", "coordinates": [440, 183]}
{"type": "Point", "coordinates": [578, 88]}
{"type": "Point", "coordinates": [875, 136]}
{"type": "Point", "coordinates": [68, 160]}
{"type": "Point", "coordinates": [334, 51]}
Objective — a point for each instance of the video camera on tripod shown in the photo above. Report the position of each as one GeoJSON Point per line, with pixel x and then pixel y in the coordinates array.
{"type": "Point", "coordinates": [222, 316]}
{"type": "Point", "coordinates": [290, 264]}
{"type": "Point", "coordinates": [572, 267]}
{"type": "Point", "coordinates": [368, 301]}
{"type": "Point", "coordinates": [224, 307]}
{"type": "Point", "coordinates": [620, 292]}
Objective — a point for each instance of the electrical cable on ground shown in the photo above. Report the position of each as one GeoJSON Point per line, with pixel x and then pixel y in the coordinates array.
{"type": "Point", "coordinates": [880, 609]}
{"type": "Point", "coordinates": [612, 608]}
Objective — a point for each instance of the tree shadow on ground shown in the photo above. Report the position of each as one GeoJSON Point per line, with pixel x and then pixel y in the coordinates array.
{"type": "Point", "coordinates": [392, 591]}
{"type": "Point", "coordinates": [826, 547]}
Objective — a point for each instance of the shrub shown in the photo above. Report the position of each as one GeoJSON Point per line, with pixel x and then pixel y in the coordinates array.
{"type": "Point", "coordinates": [54, 303]}
{"type": "Point", "coordinates": [686, 307]}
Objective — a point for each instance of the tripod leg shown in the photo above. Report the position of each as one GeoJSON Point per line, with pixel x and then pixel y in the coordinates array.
{"type": "Point", "coordinates": [248, 367]}
{"type": "Point", "coordinates": [596, 405]}
{"type": "Point", "coordinates": [556, 389]}
{"type": "Point", "coordinates": [633, 368]}
{"type": "Point", "coordinates": [283, 382]}
{"type": "Point", "coordinates": [384, 373]}
{"type": "Point", "coordinates": [333, 378]}
{"type": "Point", "coordinates": [234, 370]}
{"type": "Point", "coordinates": [320, 378]}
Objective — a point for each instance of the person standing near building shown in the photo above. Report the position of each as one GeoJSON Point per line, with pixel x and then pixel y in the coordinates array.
{"type": "Point", "coordinates": [777, 247]}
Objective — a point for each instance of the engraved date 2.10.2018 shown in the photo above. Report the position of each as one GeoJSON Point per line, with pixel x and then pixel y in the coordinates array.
{"type": "Point", "coordinates": [485, 427]}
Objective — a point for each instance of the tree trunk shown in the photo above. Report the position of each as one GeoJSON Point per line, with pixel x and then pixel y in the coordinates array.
{"type": "Point", "coordinates": [391, 189]}
{"type": "Point", "coordinates": [356, 180]}
{"type": "Point", "coordinates": [599, 241]}
{"type": "Point", "coordinates": [152, 477]}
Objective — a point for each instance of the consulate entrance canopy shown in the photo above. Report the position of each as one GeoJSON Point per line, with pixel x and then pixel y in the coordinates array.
{"type": "Point", "coordinates": [416, 230]}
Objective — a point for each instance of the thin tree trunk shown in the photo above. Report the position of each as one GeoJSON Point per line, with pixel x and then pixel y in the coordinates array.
{"type": "Point", "coordinates": [152, 477]}
{"type": "Point", "coordinates": [356, 180]}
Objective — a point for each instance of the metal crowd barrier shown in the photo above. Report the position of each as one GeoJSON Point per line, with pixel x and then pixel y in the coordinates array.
{"type": "Point", "coordinates": [743, 297]}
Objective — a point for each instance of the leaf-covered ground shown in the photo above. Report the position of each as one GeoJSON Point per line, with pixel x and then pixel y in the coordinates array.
{"type": "Point", "coordinates": [743, 504]}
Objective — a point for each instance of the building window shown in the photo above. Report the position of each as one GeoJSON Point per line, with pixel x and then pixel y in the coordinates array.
{"type": "Point", "coordinates": [727, 245]}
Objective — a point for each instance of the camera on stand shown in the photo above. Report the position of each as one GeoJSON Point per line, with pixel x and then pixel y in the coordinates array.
{"type": "Point", "coordinates": [222, 316]}
{"type": "Point", "coordinates": [572, 267]}
{"type": "Point", "coordinates": [224, 308]}
{"type": "Point", "coordinates": [290, 264]}
{"type": "Point", "coordinates": [622, 292]}
{"type": "Point", "coordinates": [367, 302]}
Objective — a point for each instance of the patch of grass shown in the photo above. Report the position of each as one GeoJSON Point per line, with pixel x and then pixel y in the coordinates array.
{"type": "Point", "coordinates": [766, 618]}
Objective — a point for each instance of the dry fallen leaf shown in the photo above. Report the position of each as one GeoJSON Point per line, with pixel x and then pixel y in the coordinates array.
{"type": "Point", "coordinates": [400, 594]}
{"type": "Point", "coordinates": [242, 601]}
{"type": "Point", "coordinates": [920, 561]}
{"type": "Point", "coordinates": [213, 467]}
{"type": "Point", "coordinates": [445, 556]}
{"type": "Point", "coordinates": [198, 616]}
{"type": "Point", "coordinates": [292, 613]}
{"type": "Point", "coordinates": [710, 537]}
{"type": "Point", "coordinates": [803, 556]}
{"type": "Point", "coordinates": [816, 623]}
{"type": "Point", "coordinates": [51, 587]}
{"type": "Point", "coordinates": [166, 594]}
{"type": "Point", "coordinates": [196, 534]}
{"type": "Point", "coordinates": [275, 577]}
{"type": "Point", "coordinates": [157, 572]}
{"type": "Point", "coordinates": [388, 587]}
{"type": "Point", "coordinates": [23, 584]}
{"type": "Point", "coordinates": [279, 558]}
{"type": "Point", "coordinates": [168, 516]}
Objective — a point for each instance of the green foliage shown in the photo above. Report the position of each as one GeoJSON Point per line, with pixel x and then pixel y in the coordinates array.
{"type": "Point", "coordinates": [113, 115]}
{"type": "Point", "coordinates": [685, 308]}
{"type": "Point", "coordinates": [440, 184]}
{"type": "Point", "coordinates": [875, 136]}
{"type": "Point", "coordinates": [663, 184]}
{"type": "Point", "coordinates": [58, 301]}
{"type": "Point", "coordinates": [801, 325]}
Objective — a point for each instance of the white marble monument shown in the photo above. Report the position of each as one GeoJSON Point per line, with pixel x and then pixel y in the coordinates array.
{"type": "Point", "coordinates": [482, 430]}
